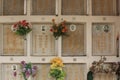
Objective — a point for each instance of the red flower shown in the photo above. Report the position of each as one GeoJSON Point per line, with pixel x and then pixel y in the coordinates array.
{"type": "Point", "coordinates": [15, 25]}
{"type": "Point", "coordinates": [24, 23]}
{"type": "Point", "coordinates": [58, 29]}
{"type": "Point", "coordinates": [64, 30]}
{"type": "Point", "coordinates": [51, 30]}
{"type": "Point", "coordinates": [21, 25]}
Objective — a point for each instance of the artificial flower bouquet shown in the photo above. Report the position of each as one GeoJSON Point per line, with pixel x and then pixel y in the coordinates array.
{"type": "Point", "coordinates": [28, 70]}
{"type": "Point", "coordinates": [56, 69]}
{"type": "Point", "coordinates": [58, 29]}
{"type": "Point", "coordinates": [21, 28]}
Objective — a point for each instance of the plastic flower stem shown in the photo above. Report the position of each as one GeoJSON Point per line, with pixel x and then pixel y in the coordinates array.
{"type": "Point", "coordinates": [24, 76]}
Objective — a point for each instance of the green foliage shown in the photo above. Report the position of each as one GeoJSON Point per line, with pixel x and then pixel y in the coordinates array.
{"type": "Point", "coordinates": [28, 70]}
{"type": "Point", "coordinates": [23, 31]}
{"type": "Point", "coordinates": [57, 73]}
{"type": "Point", "coordinates": [21, 28]}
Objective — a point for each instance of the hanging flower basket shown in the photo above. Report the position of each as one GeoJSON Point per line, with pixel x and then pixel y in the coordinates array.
{"type": "Point", "coordinates": [58, 29]}
{"type": "Point", "coordinates": [21, 28]}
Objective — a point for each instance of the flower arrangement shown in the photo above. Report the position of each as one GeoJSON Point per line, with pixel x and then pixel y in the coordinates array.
{"type": "Point", "coordinates": [21, 28]}
{"type": "Point", "coordinates": [28, 70]}
{"type": "Point", "coordinates": [102, 67]}
{"type": "Point", "coordinates": [58, 29]}
{"type": "Point", "coordinates": [56, 69]}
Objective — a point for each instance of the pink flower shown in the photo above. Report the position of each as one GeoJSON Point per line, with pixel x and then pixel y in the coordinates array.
{"type": "Point", "coordinates": [34, 72]}
{"type": "Point", "coordinates": [35, 67]}
{"type": "Point", "coordinates": [23, 63]}
{"type": "Point", "coordinates": [28, 70]}
{"type": "Point", "coordinates": [24, 23]}
{"type": "Point", "coordinates": [27, 74]}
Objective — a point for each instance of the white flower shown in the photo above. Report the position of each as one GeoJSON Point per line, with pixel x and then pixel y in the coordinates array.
{"type": "Point", "coordinates": [13, 28]}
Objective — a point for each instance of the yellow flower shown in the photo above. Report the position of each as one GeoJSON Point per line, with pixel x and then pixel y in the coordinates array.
{"type": "Point", "coordinates": [56, 59]}
{"type": "Point", "coordinates": [56, 68]}
{"type": "Point", "coordinates": [52, 66]}
{"type": "Point", "coordinates": [57, 62]}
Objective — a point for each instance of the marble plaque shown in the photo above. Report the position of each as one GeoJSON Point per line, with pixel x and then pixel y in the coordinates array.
{"type": "Point", "coordinates": [43, 42]}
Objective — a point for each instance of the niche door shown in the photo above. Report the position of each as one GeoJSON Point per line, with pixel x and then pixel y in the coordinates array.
{"type": "Point", "coordinates": [103, 39]}
{"type": "Point", "coordinates": [104, 7]}
{"type": "Point", "coordinates": [11, 44]}
{"type": "Point", "coordinates": [8, 72]}
{"type": "Point", "coordinates": [74, 43]}
{"type": "Point", "coordinates": [43, 7]}
{"type": "Point", "coordinates": [76, 7]}
{"type": "Point", "coordinates": [43, 42]}
{"type": "Point", "coordinates": [75, 71]}
{"type": "Point", "coordinates": [12, 7]}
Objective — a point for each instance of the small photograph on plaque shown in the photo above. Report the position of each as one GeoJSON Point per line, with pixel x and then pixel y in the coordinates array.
{"type": "Point", "coordinates": [72, 27]}
{"type": "Point", "coordinates": [14, 67]}
{"type": "Point", "coordinates": [43, 27]}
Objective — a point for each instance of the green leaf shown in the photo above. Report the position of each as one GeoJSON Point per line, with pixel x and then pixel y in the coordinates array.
{"type": "Point", "coordinates": [57, 73]}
